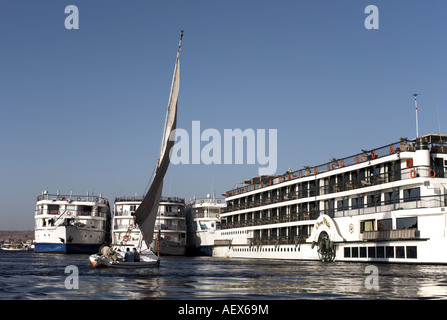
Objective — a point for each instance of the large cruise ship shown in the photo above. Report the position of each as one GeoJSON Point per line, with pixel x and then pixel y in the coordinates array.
{"type": "Point", "coordinates": [385, 205]}
{"type": "Point", "coordinates": [170, 225]}
{"type": "Point", "coordinates": [71, 223]}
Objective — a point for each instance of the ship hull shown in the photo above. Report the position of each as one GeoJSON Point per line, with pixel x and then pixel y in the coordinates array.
{"type": "Point", "coordinates": [69, 239]}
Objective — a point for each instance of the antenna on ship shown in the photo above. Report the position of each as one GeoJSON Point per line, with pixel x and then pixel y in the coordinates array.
{"type": "Point", "coordinates": [416, 105]}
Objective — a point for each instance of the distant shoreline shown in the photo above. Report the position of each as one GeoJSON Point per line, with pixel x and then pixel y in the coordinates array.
{"type": "Point", "coordinates": [16, 235]}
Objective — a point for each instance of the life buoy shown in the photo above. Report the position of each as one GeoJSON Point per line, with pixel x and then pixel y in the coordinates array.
{"type": "Point", "coordinates": [413, 174]}
{"type": "Point", "coordinates": [357, 159]}
{"type": "Point", "coordinates": [217, 215]}
{"type": "Point", "coordinates": [68, 213]}
{"type": "Point", "coordinates": [315, 171]}
{"type": "Point", "coordinates": [78, 199]}
{"type": "Point", "coordinates": [391, 149]}
{"type": "Point", "coordinates": [342, 163]}
{"type": "Point", "coordinates": [202, 201]}
{"type": "Point", "coordinates": [218, 201]}
{"type": "Point", "coordinates": [328, 167]}
{"type": "Point", "coordinates": [300, 174]}
{"type": "Point", "coordinates": [373, 154]}
{"type": "Point", "coordinates": [432, 173]}
{"type": "Point", "coordinates": [201, 216]}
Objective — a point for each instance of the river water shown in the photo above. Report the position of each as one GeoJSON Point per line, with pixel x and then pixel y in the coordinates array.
{"type": "Point", "coordinates": [30, 276]}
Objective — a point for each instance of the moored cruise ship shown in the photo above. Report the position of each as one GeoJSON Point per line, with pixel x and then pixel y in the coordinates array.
{"type": "Point", "coordinates": [71, 223]}
{"type": "Point", "coordinates": [203, 220]}
{"type": "Point", "coordinates": [385, 205]}
{"type": "Point", "coordinates": [170, 226]}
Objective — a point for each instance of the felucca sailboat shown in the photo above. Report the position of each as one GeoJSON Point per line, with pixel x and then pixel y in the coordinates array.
{"type": "Point", "coordinates": [146, 213]}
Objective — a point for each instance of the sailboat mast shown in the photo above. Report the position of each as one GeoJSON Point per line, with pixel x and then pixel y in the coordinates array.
{"type": "Point", "coordinates": [163, 141]}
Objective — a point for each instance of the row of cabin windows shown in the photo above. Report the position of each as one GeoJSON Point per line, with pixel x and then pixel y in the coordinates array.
{"type": "Point", "coordinates": [375, 199]}
{"type": "Point", "coordinates": [408, 252]}
{"type": "Point", "coordinates": [382, 173]}
{"type": "Point", "coordinates": [313, 207]}
{"type": "Point", "coordinates": [57, 209]}
{"type": "Point", "coordinates": [387, 224]}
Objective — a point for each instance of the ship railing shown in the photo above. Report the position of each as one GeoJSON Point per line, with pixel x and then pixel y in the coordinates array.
{"type": "Point", "coordinates": [163, 226]}
{"type": "Point", "coordinates": [140, 198]}
{"type": "Point", "coordinates": [397, 234]}
{"type": "Point", "coordinates": [71, 198]}
{"type": "Point", "coordinates": [364, 156]}
{"type": "Point", "coordinates": [124, 227]}
{"type": "Point", "coordinates": [277, 240]}
{"type": "Point", "coordinates": [229, 223]}
{"type": "Point", "coordinates": [376, 206]}
{"type": "Point", "coordinates": [370, 179]}
{"type": "Point", "coordinates": [208, 201]}
{"type": "Point", "coordinates": [205, 215]}
{"type": "Point", "coordinates": [179, 214]}
{"type": "Point", "coordinates": [172, 199]}
{"type": "Point", "coordinates": [70, 213]}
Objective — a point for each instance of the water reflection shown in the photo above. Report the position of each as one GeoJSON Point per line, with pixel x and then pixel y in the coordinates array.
{"type": "Point", "coordinates": [41, 276]}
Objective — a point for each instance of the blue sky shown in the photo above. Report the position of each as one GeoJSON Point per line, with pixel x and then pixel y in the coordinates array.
{"type": "Point", "coordinates": [84, 109]}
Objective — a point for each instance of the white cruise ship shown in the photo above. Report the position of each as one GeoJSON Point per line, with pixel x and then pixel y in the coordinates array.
{"type": "Point", "coordinates": [71, 223]}
{"type": "Point", "coordinates": [383, 205]}
{"type": "Point", "coordinates": [170, 224]}
{"type": "Point", "coordinates": [203, 220]}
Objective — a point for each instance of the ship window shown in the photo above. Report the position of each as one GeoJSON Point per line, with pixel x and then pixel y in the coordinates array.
{"type": "Point", "coordinates": [355, 252]}
{"type": "Point", "coordinates": [407, 223]}
{"type": "Point", "coordinates": [412, 252]}
{"type": "Point", "coordinates": [362, 252]}
{"type": "Point", "coordinates": [412, 194]}
{"type": "Point", "coordinates": [342, 205]}
{"type": "Point", "coordinates": [384, 224]}
{"type": "Point", "coordinates": [392, 197]}
{"type": "Point", "coordinates": [400, 252]}
{"type": "Point", "coordinates": [357, 203]}
{"type": "Point", "coordinates": [380, 252]}
{"type": "Point", "coordinates": [53, 209]}
{"type": "Point", "coordinates": [347, 252]}
{"type": "Point", "coordinates": [371, 252]}
{"type": "Point", "coordinates": [389, 252]}
{"type": "Point", "coordinates": [373, 200]}
{"type": "Point", "coordinates": [367, 225]}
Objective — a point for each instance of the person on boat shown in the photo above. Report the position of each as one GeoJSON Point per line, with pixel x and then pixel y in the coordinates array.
{"type": "Point", "coordinates": [136, 255]}
{"type": "Point", "coordinates": [129, 257]}
{"type": "Point", "coordinates": [108, 252]}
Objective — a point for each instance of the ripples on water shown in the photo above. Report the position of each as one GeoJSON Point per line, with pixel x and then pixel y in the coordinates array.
{"type": "Point", "coordinates": [29, 275]}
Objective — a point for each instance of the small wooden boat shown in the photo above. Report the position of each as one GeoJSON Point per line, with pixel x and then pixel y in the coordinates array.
{"type": "Point", "coordinates": [147, 260]}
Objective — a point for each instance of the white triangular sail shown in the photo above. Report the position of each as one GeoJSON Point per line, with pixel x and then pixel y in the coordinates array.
{"type": "Point", "coordinates": [146, 213]}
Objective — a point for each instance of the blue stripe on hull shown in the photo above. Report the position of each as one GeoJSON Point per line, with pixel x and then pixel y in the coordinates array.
{"type": "Point", "coordinates": [67, 248]}
{"type": "Point", "coordinates": [206, 250]}
{"type": "Point", "coordinates": [200, 251]}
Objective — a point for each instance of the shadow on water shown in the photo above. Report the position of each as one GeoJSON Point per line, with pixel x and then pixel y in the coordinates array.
{"type": "Point", "coordinates": [29, 275]}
